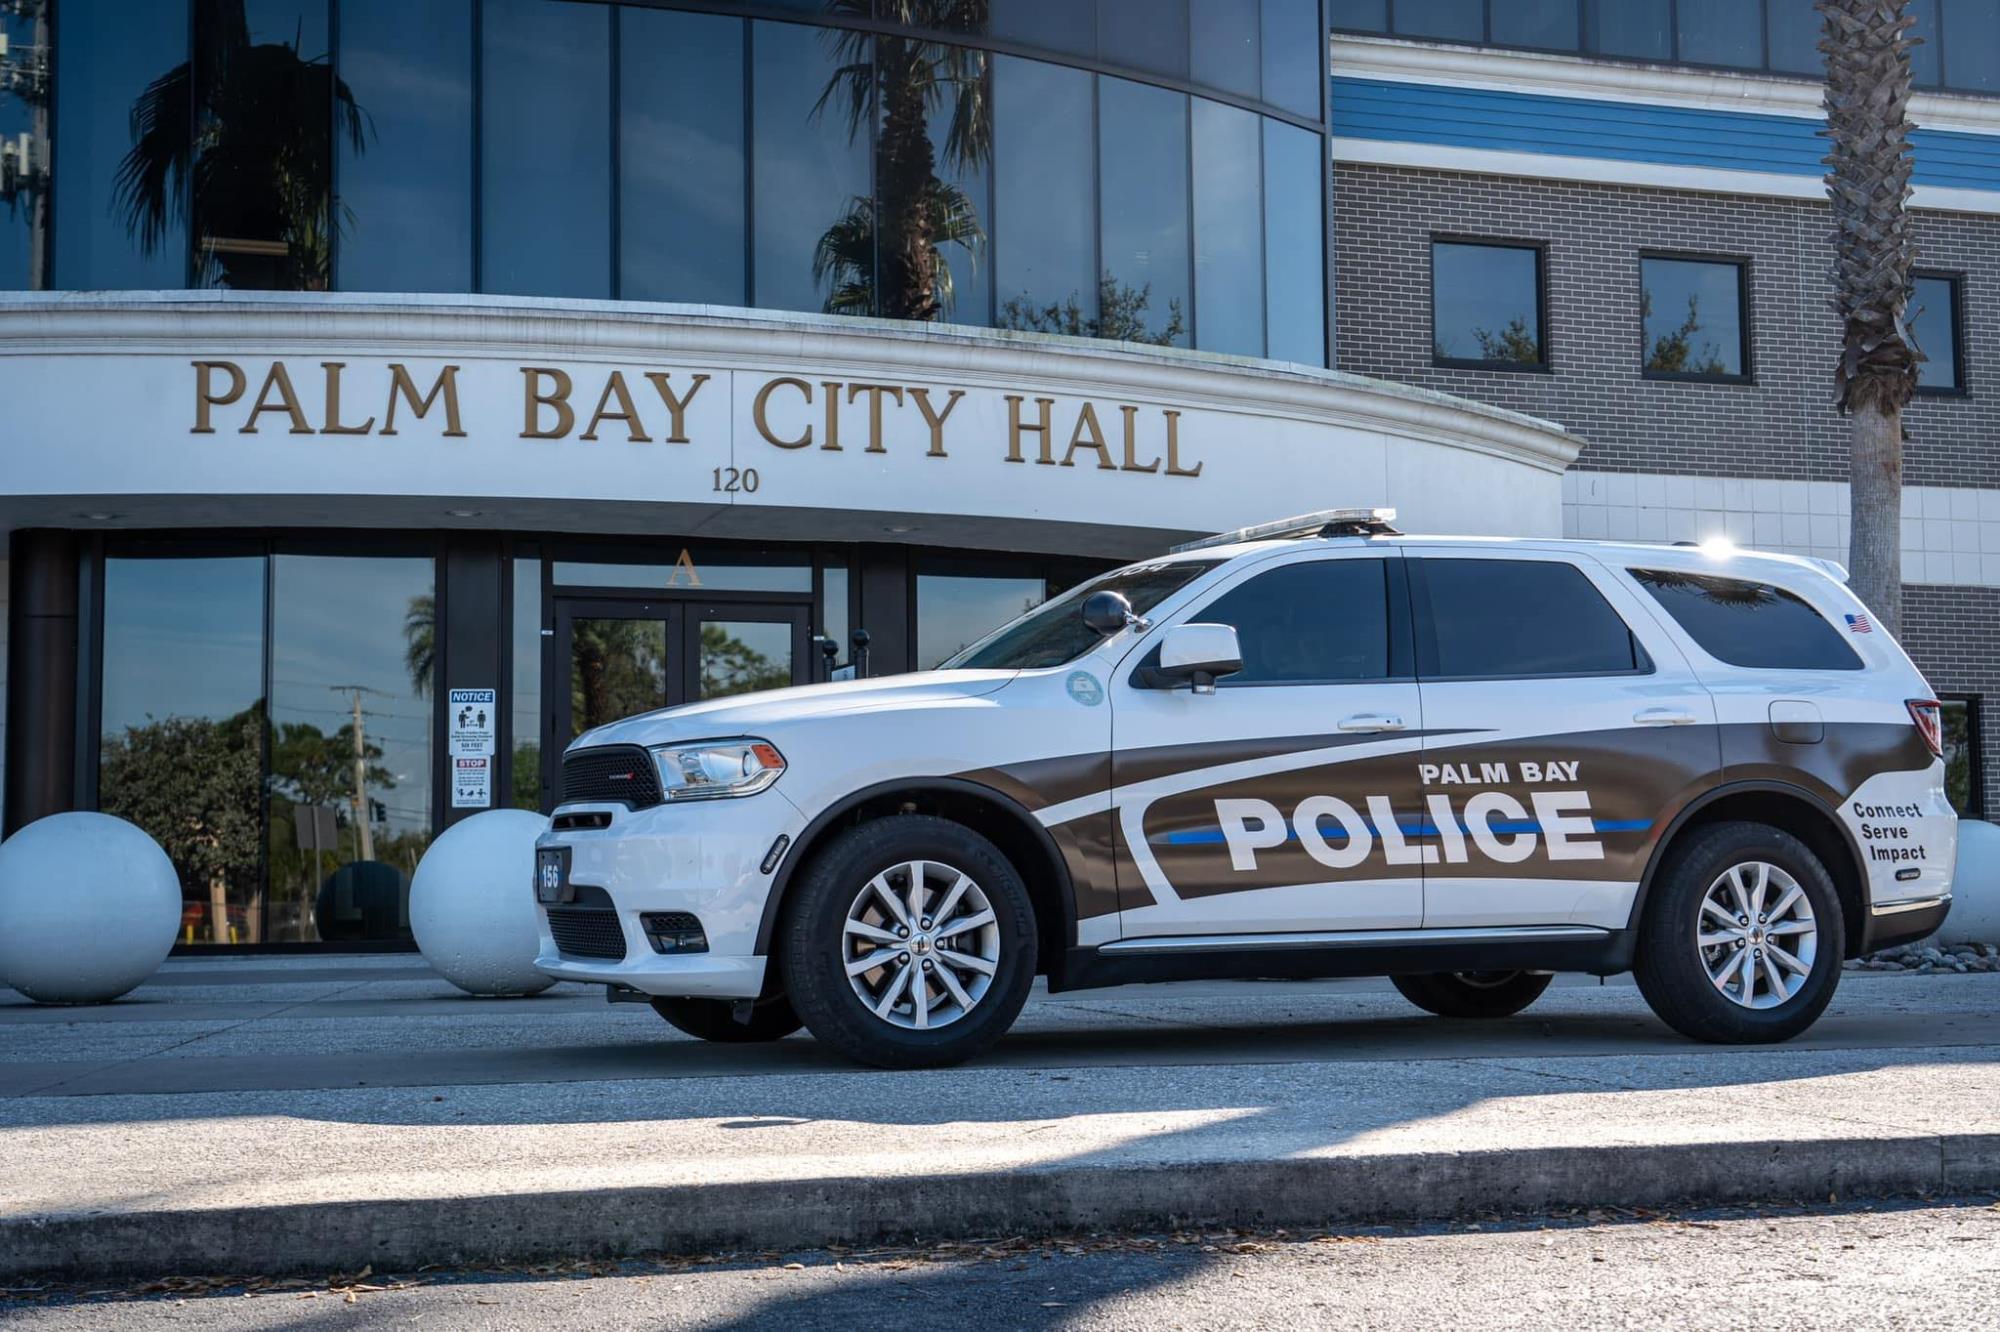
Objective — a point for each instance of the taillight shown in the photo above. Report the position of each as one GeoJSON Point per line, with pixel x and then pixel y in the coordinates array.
{"type": "Point", "coordinates": [1928, 717]}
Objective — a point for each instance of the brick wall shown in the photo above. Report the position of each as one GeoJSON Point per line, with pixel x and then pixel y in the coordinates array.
{"type": "Point", "coordinates": [1783, 425]}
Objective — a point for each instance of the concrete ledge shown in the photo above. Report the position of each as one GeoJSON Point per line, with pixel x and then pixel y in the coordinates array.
{"type": "Point", "coordinates": [404, 1233]}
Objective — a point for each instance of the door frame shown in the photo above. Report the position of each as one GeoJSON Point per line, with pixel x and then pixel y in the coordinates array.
{"type": "Point", "coordinates": [679, 609]}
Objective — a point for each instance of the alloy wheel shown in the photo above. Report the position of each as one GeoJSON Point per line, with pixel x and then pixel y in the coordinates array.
{"type": "Point", "coordinates": [921, 945]}
{"type": "Point", "coordinates": [1757, 935]}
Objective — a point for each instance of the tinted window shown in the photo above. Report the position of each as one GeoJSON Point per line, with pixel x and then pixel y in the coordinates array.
{"type": "Point", "coordinates": [1926, 61]}
{"type": "Point", "coordinates": [546, 177]}
{"type": "Point", "coordinates": [1520, 617]}
{"type": "Point", "coordinates": [1294, 237]}
{"type": "Point", "coordinates": [1749, 624]}
{"type": "Point", "coordinates": [1143, 157]}
{"type": "Point", "coordinates": [1548, 23]}
{"type": "Point", "coordinates": [1486, 304]}
{"type": "Point", "coordinates": [1055, 25]}
{"type": "Point", "coordinates": [1721, 32]}
{"type": "Point", "coordinates": [1292, 47]}
{"type": "Point", "coordinates": [1640, 29]}
{"type": "Point", "coordinates": [1459, 20]}
{"type": "Point", "coordinates": [1960, 722]}
{"type": "Point", "coordinates": [681, 163]}
{"type": "Point", "coordinates": [1145, 34]}
{"type": "Point", "coordinates": [1972, 50]}
{"type": "Point", "coordinates": [1934, 320]}
{"type": "Point", "coordinates": [1054, 632]}
{"type": "Point", "coordinates": [1364, 15]}
{"type": "Point", "coordinates": [406, 187]}
{"type": "Point", "coordinates": [807, 160]}
{"type": "Point", "coordinates": [1692, 311]}
{"type": "Point", "coordinates": [1228, 241]}
{"type": "Point", "coordinates": [1223, 44]}
{"type": "Point", "coordinates": [1043, 251]}
{"type": "Point", "coordinates": [1795, 30]}
{"type": "Point", "coordinates": [1327, 620]}
{"type": "Point", "coordinates": [24, 124]}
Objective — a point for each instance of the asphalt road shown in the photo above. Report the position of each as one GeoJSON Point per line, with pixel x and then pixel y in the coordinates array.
{"type": "Point", "coordinates": [1935, 1265]}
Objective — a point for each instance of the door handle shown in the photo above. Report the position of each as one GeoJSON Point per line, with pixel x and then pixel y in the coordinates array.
{"type": "Point", "coordinates": [1663, 717]}
{"type": "Point", "coordinates": [1372, 721]}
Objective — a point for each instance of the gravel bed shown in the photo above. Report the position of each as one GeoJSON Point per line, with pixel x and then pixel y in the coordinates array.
{"type": "Point", "coordinates": [1926, 956]}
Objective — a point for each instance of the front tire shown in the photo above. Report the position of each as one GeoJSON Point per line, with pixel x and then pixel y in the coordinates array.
{"type": "Point", "coordinates": [715, 1019]}
{"type": "Point", "coordinates": [1473, 994]}
{"type": "Point", "coordinates": [1742, 937]}
{"type": "Point", "coordinates": [909, 943]}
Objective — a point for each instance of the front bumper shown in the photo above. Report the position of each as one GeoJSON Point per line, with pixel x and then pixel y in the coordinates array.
{"type": "Point", "coordinates": [700, 857]}
{"type": "Point", "coordinates": [1903, 922]}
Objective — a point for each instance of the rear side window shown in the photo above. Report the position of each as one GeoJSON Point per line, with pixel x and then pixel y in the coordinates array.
{"type": "Point", "coordinates": [1749, 624]}
{"type": "Point", "coordinates": [1520, 617]}
{"type": "Point", "coordinates": [1321, 622]}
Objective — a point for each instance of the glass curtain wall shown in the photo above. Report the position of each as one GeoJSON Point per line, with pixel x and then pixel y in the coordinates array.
{"type": "Point", "coordinates": [930, 160]}
{"type": "Point", "coordinates": [267, 719]}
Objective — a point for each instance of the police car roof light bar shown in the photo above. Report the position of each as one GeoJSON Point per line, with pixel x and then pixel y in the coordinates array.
{"type": "Point", "coordinates": [1324, 523]}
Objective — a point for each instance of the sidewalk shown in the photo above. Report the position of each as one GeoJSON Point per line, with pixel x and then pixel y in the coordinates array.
{"type": "Point", "coordinates": [281, 1115]}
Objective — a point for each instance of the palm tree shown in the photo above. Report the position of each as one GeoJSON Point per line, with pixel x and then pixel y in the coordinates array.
{"type": "Point", "coordinates": [240, 136]}
{"type": "Point", "coordinates": [1867, 47]}
{"type": "Point", "coordinates": [886, 251]}
{"type": "Point", "coordinates": [420, 641]}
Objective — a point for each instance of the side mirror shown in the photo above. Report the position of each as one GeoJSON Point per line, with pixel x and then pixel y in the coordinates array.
{"type": "Point", "coordinates": [1198, 653]}
{"type": "Point", "coordinates": [1107, 612]}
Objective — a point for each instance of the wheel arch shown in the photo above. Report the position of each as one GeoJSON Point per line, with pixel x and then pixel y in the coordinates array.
{"type": "Point", "coordinates": [1795, 810]}
{"type": "Point", "coordinates": [999, 818]}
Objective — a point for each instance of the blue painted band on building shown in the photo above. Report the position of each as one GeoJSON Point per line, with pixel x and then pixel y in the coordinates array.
{"type": "Point", "coordinates": [1492, 119]}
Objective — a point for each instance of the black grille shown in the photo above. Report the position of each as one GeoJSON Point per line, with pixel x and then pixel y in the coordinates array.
{"type": "Point", "coordinates": [623, 773]}
{"type": "Point", "coordinates": [587, 931]}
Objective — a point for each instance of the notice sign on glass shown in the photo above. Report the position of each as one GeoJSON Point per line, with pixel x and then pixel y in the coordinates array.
{"type": "Point", "coordinates": [471, 744]}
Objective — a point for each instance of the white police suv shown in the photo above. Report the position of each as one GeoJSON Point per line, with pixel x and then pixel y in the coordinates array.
{"type": "Point", "coordinates": [1315, 748]}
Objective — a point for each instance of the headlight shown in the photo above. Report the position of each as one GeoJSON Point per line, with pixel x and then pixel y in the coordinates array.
{"type": "Point", "coordinates": [717, 768]}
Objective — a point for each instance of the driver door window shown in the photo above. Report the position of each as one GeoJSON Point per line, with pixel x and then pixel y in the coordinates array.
{"type": "Point", "coordinates": [1269, 807]}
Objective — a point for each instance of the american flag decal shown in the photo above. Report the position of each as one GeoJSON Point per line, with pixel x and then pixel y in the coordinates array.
{"type": "Point", "coordinates": [1859, 624]}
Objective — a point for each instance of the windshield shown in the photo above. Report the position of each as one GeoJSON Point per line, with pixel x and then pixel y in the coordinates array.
{"type": "Point", "coordinates": [1054, 632]}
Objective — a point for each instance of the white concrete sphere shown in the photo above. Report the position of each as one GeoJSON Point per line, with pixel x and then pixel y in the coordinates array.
{"type": "Point", "coordinates": [1975, 890]}
{"type": "Point", "coordinates": [89, 908]}
{"type": "Point", "coordinates": [472, 903]}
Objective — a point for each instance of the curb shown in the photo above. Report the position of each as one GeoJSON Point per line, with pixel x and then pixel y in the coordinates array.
{"type": "Point", "coordinates": [400, 1234]}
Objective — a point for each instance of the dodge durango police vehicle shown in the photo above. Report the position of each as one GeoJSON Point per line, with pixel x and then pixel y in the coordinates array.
{"type": "Point", "coordinates": [1313, 748]}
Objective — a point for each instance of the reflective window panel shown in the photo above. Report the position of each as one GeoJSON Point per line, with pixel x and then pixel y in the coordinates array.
{"type": "Point", "coordinates": [690, 569]}
{"type": "Point", "coordinates": [1972, 44]}
{"type": "Point", "coordinates": [1927, 60]}
{"type": "Point", "coordinates": [1551, 24]}
{"type": "Point", "coordinates": [1144, 34]}
{"type": "Point", "coordinates": [525, 709]}
{"type": "Point", "coordinates": [1294, 241]}
{"type": "Point", "coordinates": [181, 750]}
{"type": "Point", "coordinates": [1292, 49]}
{"type": "Point", "coordinates": [24, 148]}
{"type": "Point", "coordinates": [1794, 31]}
{"type": "Point", "coordinates": [1069, 26]}
{"type": "Point", "coordinates": [933, 192]}
{"type": "Point", "coordinates": [1638, 29]}
{"type": "Point", "coordinates": [1959, 720]}
{"type": "Point", "coordinates": [113, 236]}
{"type": "Point", "coordinates": [1934, 321]}
{"type": "Point", "coordinates": [1143, 189]}
{"type": "Point", "coordinates": [268, 108]}
{"type": "Point", "coordinates": [545, 151]}
{"type": "Point", "coordinates": [813, 231]}
{"type": "Point", "coordinates": [681, 158]}
{"type": "Point", "coordinates": [1486, 305]}
{"type": "Point", "coordinates": [954, 611]}
{"type": "Point", "coordinates": [354, 672]}
{"type": "Point", "coordinates": [1692, 314]}
{"type": "Point", "coordinates": [1223, 45]}
{"type": "Point", "coordinates": [1720, 32]}
{"type": "Point", "coordinates": [1359, 15]}
{"type": "Point", "coordinates": [1044, 252]}
{"type": "Point", "coordinates": [406, 184]}
{"type": "Point", "coordinates": [617, 668]}
{"type": "Point", "coordinates": [1458, 20]}
{"type": "Point", "coordinates": [1228, 230]}
{"type": "Point", "coordinates": [831, 626]}
{"type": "Point", "coordinates": [742, 656]}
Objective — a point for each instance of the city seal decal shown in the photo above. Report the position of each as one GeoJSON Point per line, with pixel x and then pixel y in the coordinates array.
{"type": "Point", "coordinates": [1083, 687]}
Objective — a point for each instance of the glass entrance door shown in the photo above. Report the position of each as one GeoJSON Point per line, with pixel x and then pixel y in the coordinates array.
{"type": "Point", "coordinates": [620, 657]}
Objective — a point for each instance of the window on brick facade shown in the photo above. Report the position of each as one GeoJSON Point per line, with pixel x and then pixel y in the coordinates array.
{"type": "Point", "coordinates": [1486, 305]}
{"type": "Point", "coordinates": [1694, 314]}
{"type": "Point", "coordinates": [1934, 311]}
{"type": "Point", "coordinates": [1961, 756]}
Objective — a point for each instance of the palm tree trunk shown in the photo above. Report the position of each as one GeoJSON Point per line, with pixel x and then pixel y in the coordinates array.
{"type": "Point", "coordinates": [1875, 548]}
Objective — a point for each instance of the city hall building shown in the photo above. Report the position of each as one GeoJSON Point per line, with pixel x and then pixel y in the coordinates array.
{"type": "Point", "coordinates": [391, 390]}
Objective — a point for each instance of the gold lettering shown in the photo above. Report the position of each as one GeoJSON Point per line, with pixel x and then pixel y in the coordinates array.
{"type": "Point", "coordinates": [684, 565]}
{"type": "Point", "coordinates": [402, 386]}
{"type": "Point", "coordinates": [1131, 464]}
{"type": "Point", "coordinates": [1174, 467]}
{"type": "Point", "coordinates": [333, 425]}
{"type": "Point", "coordinates": [763, 423]}
{"type": "Point", "coordinates": [1086, 423]}
{"type": "Point", "coordinates": [288, 403]}
{"type": "Point", "coordinates": [676, 406]}
{"type": "Point", "coordinates": [204, 391]}
{"type": "Point", "coordinates": [614, 387]}
{"type": "Point", "coordinates": [1015, 429]}
{"type": "Point", "coordinates": [875, 392]}
{"type": "Point", "coordinates": [534, 401]}
{"type": "Point", "coordinates": [832, 442]}
{"type": "Point", "coordinates": [935, 420]}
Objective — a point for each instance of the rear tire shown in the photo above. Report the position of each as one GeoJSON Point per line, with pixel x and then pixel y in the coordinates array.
{"type": "Point", "coordinates": [715, 1019]}
{"type": "Point", "coordinates": [1473, 994]}
{"type": "Point", "coordinates": [935, 995]}
{"type": "Point", "coordinates": [1736, 898]}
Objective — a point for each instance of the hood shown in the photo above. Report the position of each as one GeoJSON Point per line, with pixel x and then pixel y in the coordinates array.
{"type": "Point", "coordinates": [754, 714]}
